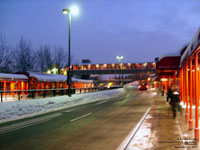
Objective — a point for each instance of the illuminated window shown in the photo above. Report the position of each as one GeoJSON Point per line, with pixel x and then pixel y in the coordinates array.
{"type": "Point", "coordinates": [7, 85]}
{"type": "Point", "coordinates": [145, 64]}
{"type": "Point", "coordinates": [89, 66]}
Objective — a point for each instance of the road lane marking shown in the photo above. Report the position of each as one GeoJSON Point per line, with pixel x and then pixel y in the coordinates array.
{"type": "Point", "coordinates": [24, 124]}
{"type": "Point", "coordinates": [81, 117]}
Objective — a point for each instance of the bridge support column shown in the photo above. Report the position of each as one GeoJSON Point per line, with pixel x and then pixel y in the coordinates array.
{"type": "Point", "coordinates": [169, 81]}
{"type": "Point", "coordinates": [191, 96]}
{"type": "Point", "coordinates": [186, 85]}
{"type": "Point", "coordinates": [197, 99]}
{"type": "Point", "coordinates": [180, 84]}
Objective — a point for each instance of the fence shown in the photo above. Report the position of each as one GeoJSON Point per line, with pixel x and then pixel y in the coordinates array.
{"type": "Point", "coordinates": [39, 93]}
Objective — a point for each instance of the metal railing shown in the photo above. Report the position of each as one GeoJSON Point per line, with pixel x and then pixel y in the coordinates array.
{"type": "Point", "coordinates": [9, 95]}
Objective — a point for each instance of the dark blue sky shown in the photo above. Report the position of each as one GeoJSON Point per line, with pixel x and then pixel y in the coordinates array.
{"type": "Point", "coordinates": [140, 30]}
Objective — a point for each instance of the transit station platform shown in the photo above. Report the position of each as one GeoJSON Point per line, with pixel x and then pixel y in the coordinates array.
{"type": "Point", "coordinates": [160, 131]}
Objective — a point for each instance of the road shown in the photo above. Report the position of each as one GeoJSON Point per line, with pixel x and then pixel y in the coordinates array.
{"type": "Point", "coordinates": [100, 125]}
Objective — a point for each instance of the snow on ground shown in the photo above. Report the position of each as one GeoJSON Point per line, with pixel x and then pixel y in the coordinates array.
{"type": "Point", "coordinates": [21, 109]}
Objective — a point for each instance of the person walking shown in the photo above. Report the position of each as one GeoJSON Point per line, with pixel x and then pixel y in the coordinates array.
{"type": "Point", "coordinates": [163, 90]}
{"type": "Point", "coordinates": [169, 93]}
{"type": "Point", "coordinates": [174, 101]}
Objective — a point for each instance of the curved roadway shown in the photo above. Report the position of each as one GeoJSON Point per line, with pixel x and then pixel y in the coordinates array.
{"type": "Point", "coordinates": [101, 125]}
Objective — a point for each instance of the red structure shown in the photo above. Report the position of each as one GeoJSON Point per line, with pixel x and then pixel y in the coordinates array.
{"type": "Point", "coordinates": [168, 68]}
{"type": "Point", "coordinates": [30, 80]}
{"type": "Point", "coordinates": [13, 82]}
{"type": "Point", "coordinates": [114, 66]}
{"type": "Point", "coordinates": [183, 69]}
{"type": "Point", "coordinates": [189, 77]}
{"type": "Point", "coordinates": [50, 81]}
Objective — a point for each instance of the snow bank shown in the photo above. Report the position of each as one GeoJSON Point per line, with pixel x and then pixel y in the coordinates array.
{"type": "Point", "coordinates": [26, 108]}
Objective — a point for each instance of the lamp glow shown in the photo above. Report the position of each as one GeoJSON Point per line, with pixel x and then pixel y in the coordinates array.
{"type": "Point", "coordinates": [119, 58]}
{"type": "Point", "coordinates": [163, 79]}
{"type": "Point", "coordinates": [74, 10]}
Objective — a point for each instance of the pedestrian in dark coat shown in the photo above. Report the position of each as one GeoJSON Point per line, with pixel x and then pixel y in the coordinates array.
{"type": "Point", "coordinates": [169, 94]}
{"type": "Point", "coordinates": [163, 90]}
{"type": "Point", "coordinates": [174, 101]}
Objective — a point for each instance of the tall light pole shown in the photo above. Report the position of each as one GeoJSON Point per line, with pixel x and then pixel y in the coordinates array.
{"type": "Point", "coordinates": [119, 58]}
{"type": "Point", "coordinates": [69, 12]}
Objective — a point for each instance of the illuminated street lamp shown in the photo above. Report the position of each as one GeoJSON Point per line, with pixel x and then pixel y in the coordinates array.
{"type": "Point", "coordinates": [49, 71]}
{"type": "Point", "coordinates": [55, 70]}
{"type": "Point", "coordinates": [119, 58]}
{"type": "Point", "coordinates": [73, 10]}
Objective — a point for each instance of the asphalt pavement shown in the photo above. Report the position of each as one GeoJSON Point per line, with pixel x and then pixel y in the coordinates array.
{"type": "Point", "coordinates": [101, 125]}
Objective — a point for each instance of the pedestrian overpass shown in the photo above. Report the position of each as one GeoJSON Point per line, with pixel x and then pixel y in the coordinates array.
{"type": "Point", "coordinates": [123, 72]}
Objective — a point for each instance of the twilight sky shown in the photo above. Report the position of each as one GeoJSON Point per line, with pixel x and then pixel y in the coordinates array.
{"type": "Point", "coordinates": [139, 30]}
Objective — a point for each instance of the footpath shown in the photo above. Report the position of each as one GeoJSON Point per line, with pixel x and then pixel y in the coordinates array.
{"type": "Point", "coordinates": [160, 131]}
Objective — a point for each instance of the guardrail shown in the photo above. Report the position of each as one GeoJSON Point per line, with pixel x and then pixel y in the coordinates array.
{"type": "Point", "coordinates": [38, 93]}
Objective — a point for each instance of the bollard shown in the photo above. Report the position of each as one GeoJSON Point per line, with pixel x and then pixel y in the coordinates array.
{"type": "Point", "coordinates": [44, 94]}
{"type": "Point", "coordinates": [1, 96]}
{"type": "Point", "coordinates": [54, 92]}
{"type": "Point", "coordinates": [33, 94]}
{"type": "Point", "coordinates": [19, 95]}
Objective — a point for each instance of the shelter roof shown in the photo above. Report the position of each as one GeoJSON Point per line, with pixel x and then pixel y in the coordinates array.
{"type": "Point", "coordinates": [11, 76]}
{"type": "Point", "coordinates": [52, 77]}
{"type": "Point", "coordinates": [191, 47]}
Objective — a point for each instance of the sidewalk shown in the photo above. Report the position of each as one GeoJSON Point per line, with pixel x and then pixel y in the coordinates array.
{"type": "Point", "coordinates": [160, 131]}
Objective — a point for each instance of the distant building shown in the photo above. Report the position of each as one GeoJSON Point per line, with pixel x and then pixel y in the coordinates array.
{"type": "Point", "coordinates": [86, 61]}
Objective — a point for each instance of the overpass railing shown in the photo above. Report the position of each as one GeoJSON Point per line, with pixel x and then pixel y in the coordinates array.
{"type": "Point", "coordinates": [9, 95]}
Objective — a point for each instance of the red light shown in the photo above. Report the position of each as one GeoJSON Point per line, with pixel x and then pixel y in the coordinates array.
{"type": "Point", "coordinates": [139, 86]}
{"type": "Point", "coordinates": [147, 86]}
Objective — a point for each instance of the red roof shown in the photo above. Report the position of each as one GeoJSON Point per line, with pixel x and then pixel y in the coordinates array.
{"type": "Point", "coordinates": [168, 63]}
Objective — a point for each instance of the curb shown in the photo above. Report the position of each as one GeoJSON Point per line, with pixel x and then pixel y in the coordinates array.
{"type": "Point", "coordinates": [131, 135]}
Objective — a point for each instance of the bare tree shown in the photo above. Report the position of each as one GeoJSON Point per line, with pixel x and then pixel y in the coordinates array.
{"type": "Point", "coordinates": [44, 58]}
{"type": "Point", "coordinates": [60, 58]}
{"type": "Point", "coordinates": [5, 55]}
{"type": "Point", "coordinates": [40, 59]}
{"type": "Point", "coordinates": [48, 57]}
{"type": "Point", "coordinates": [24, 57]}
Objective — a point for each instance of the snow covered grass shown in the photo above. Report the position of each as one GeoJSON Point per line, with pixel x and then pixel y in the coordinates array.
{"type": "Point", "coordinates": [21, 109]}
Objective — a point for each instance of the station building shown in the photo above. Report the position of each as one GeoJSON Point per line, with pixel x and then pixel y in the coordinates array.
{"type": "Point", "coordinates": [182, 69]}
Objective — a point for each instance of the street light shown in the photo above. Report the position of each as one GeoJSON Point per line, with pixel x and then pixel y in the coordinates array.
{"type": "Point", "coordinates": [73, 10]}
{"type": "Point", "coordinates": [119, 58]}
